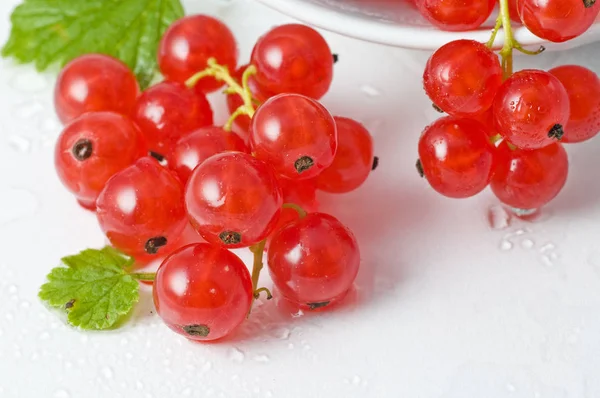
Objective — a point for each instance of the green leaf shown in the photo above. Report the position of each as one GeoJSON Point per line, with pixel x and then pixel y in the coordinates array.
{"type": "Point", "coordinates": [47, 32]}
{"type": "Point", "coordinates": [95, 288]}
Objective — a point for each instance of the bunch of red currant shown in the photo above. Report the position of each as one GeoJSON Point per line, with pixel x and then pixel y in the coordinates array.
{"type": "Point", "coordinates": [151, 163]}
{"type": "Point", "coordinates": [505, 129]}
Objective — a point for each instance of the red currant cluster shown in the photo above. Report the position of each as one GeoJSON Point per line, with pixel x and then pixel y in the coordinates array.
{"type": "Point", "coordinates": [151, 163]}
{"type": "Point", "coordinates": [504, 129]}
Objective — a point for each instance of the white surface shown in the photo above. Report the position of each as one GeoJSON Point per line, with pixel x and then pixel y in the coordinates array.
{"type": "Point", "coordinates": [446, 307]}
{"type": "Point", "coordinates": [398, 23]}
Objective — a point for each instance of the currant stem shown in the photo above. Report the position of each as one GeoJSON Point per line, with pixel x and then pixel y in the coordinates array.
{"type": "Point", "coordinates": [257, 265]}
{"type": "Point", "coordinates": [509, 41]}
{"type": "Point", "coordinates": [497, 27]}
{"type": "Point", "coordinates": [258, 291]}
{"type": "Point", "coordinates": [301, 212]}
{"type": "Point", "coordinates": [143, 276]}
{"type": "Point", "coordinates": [221, 73]}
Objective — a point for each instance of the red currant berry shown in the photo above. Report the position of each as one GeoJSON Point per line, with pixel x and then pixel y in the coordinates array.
{"type": "Point", "coordinates": [353, 160]}
{"type": "Point", "coordinates": [168, 111]}
{"type": "Point", "coordinates": [233, 199]}
{"type": "Point", "coordinates": [293, 58]}
{"type": "Point", "coordinates": [295, 134]}
{"type": "Point", "coordinates": [531, 108]}
{"type": "Point", "coordinates": [462, 77]}
{"type": "Point", "coordinates": [528, 179]}
{"type": "Point", "coordinates": [202, 292]}
{"type": "Point", "coordinates": [141, 209]}
{"type": "Point", "coordinates": [513, 11]}
{"type": "Point", "coordinates": [456, 15]}
{"type": "Point", "coordinates": [487, 119]}
{"type": "Point", "coordinates": [196, 147]}
{"type": "Point", "coordinates": [189, 43]}
{"type": "Point", "coordinates": [92, 148]}
{"type": "Point", "coordinates": [314, 261]}
{"type": "Point", "coordinates": [456, 157]}
{"type": "Point", "coordinates": [94, 82]}
{"type": "Point", "coordinates": [558, 20]}
{"type": "Point", "coordinates": [583, 87]}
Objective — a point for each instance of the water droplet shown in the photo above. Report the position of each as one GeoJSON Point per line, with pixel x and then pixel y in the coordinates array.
{"type": "Point", "coordinates": [527, 244]}
{"type": "Point", "coordinates": [298, 314]}
{"type": "Point", "coordinates": [61, 394]}
{"type": "Point", "coordinates": [207, 366]}
{"type": "Point", "coordinates": [523, 212]}
{"type": "Point", "coordinates": [547, 247]}
{"type": "Point", "coordinates": [291, 346]}
{"type": "Point", "coordinates": [370, 91]}
{"type": "Point", "coordinates": [25, 304]}
{"type": "Point", "coordinates": [107, 372]}
{"type": "Point", "coordinates": [268, 394]}
{"type": "Point", "coordinates": [498, 217]}
{"type": "Point", "coordinates": [68, 365]}
{"type": "Point", "coordinates": [547, 261]}
{"type": "Point", "coordinates": [44, 336]}
{"type": "Point", "coordinates": [520, 232]}
{"type": "Point", "coordinates": [510, 388]}
{"type": "Point", "coordinates": [28, 81]}
{"type": "Point", "coordinates": [128, 355]}
{"type": "Point", "coordinates": [282, 333]}
{"type": "Point", "coordinates": [506, 245]}
{"type": "Point", "coordinates": [261, 358]}
{"type": "Point", "coordinates": [19, 143]}
{"type": "Point", "coordinates": [236, 355]}
{"type": "Point", "coordinates": [12, 289]}
{"type": "Point", "coordinates": [355, 380]}
{"type": "Point", "coordinates": [186, 392]}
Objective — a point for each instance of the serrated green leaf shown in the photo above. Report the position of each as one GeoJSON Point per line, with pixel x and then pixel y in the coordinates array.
{"type": "Point", "coordinates": [48, 32]}
{"type": "Point", "coordinates": [95, 288]}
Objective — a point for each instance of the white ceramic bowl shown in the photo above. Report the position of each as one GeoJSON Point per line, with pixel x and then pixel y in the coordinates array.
{"type": "Point", "coordinates": [397, 23]}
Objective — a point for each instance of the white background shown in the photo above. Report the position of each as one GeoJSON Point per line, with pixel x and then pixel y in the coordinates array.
{"type": "Point", "coordinates": [445, 307]}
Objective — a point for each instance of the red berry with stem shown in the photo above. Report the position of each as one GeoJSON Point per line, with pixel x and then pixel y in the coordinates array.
{"type": "Point", "coordinates": [189, 43]}
{"type": "Point", "coordinates": [456, 157]}
{"type": "Point", "coordinates": [141, 209]}
{"type": "Point", "coordinates": [462, 77]}
{"type": "Point", "coordinates": [456, 15]}
{"type": "Point", "coordinates": [293, 58]}
{"type": "Point", "coordinates": [302, 193]}
{"type": "Point", "coordinates": [558, 20]}
{"type": "Point", "coordinates": [583, 88]}
{"type": "Point", "coordinates": [92, 148]}
{"type": "Point", "coordinates": [531, 108]}
{"type": "Point", "coordinates": [94, 82]}
{"type": "Point", "coordinates": [233, 199]}
{"type": "Point", "coordinates": [314, 261]}
{"type": "Point", "coordinates": [353, 160]}
{"type": "Point", "coordinates": [295, 134]}
{"type": "Point", "coordinates": [202, 292]}
{"type": "Point", "coordinates": [168, 111]}
{"type": "Point", "coordinates": [196, 147]}
{"type": "Point", "coordinates": [528, 179]}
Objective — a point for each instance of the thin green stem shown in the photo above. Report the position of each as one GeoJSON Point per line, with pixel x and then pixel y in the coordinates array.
{"type": "Point", "coordinates": [497, 27]}
{"type": "Point", "coordinates": [143, 276]}
{"type": "Point", "coordinates": [301, 212]}
{"type": "Point", "coordinates": [258, 291]}
{"type": "Point", "coordinates": [509, 41]}
{"type": "Point", "coordinates": [257, 266]}
{"type": "Point", "coordinates": [242, 110]}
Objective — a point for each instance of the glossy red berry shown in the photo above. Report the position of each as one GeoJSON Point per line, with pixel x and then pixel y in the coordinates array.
{"type": "Point", "coordinates": [531, 109]}
{"type": "Point", "coordinates": [202, 292]}
{"type": "Point", "coordinates": [168, 111]}
{"type": "Point", "coordinates": [456, 15]}
{"type": "Point", "coordinates": [353, 160]}
{"type": "Point", "coordinates": [462, 77]}
{"type": "Point", "coordinates": [233, 199]}
{"type": "Point", "coordinates": [558, 20]}
{"type": "Point", "coordinates": [302, 193]}
{"type": "Point", "coordinates": [456, 157]}
{"type": "Point", "coordinates": [295, 134]}
{"type": "Point", "coordinates": [141, 209]}
{"type": "Point", "coordinates": [196, 147]}
{"type": "Point", "coordinates": [314, 261]}
{"type": "Point", "coordinates": [583, 88]}
{"type": "Point", "coordinates": [528, 179]}
{"type": "Point", "coordinates": [513, 11]}
{"type": "Point", "coordinates": [293, 58]}
{"type": "Point", "coordinates": [92, 148]}
{"type": "Point", "coordinates": [189, 43]}
{"type": "Point", "coordinates": [94, 82]}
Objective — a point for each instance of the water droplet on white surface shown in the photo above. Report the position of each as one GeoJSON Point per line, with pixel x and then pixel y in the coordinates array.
{"type": "Point", "coordinates": [128, 355]}
{"type": "Point", "coordinates": [61, 394]}
{"type": "Point", "coordinates": [28, 109]}
{"type": "Point", "coordinates": [19, 143]}
{"type": "Point", "coordinates": [291, 346]}
{"type": "Point", "coordinates": [186, 392]}
{"type": "Point", "coordinates": [25, 304]}
{"type": "Point", "coordinates": [356, 380]}
{"type": "Point", "coordinates": [44, 336]}
{"type": "Point", "coordinates": [282, 333]}
{"type": "Point", "coordinates": [506, 245]}
{"type": "Point", "coordinates": [547, 247]}
{"type": "Point", "coordinates": [298, 314]}
{"type": "Point", "coordinates": [207, 366]}
{"type": "Point", "coordinates": [107, 372]}
{"type": "Point", "coordinates": [268, 394]}
{"type": "Point", "coordinates": [370, 91]}
{"type": "Point", "coordinates": [261, 358]}
{"type": "Point", "coordinates": [498, 217]}
{"type": "Point", "coordinates": [510, 388]}
{"type": "Point", "coordinates": [527, 244]}
{"type": "Point", "coordinates": [523, 212]}
{"type": "Point", "coordinates": [12, 289]}
{"type": "Point", "coordinates": [236, 355]}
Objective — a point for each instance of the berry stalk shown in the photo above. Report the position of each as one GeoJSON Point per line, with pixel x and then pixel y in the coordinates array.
{"type": "Point", "coordinates": [221, 73]}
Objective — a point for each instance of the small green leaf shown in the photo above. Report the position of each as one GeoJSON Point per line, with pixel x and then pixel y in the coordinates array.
{"type": "Point", "coordinates": [95, 288]}
{"type": "Point", "coordinates": [46, 32]}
